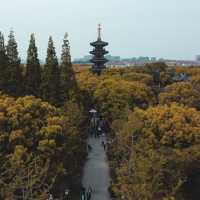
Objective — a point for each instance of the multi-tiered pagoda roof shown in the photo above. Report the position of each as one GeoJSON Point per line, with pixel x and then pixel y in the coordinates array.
{"type": "Point", "coordinates": [98, 53]}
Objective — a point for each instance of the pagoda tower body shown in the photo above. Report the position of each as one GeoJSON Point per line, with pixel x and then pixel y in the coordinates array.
{"type": "Point", "coordinates": [98, 53]}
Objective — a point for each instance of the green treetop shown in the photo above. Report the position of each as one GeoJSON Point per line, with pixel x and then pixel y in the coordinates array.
{"type": "Point", "coordinates": [3, 64]}
{"type": "Point", "coordinates": [68, 83]}
{"type": "Point", "coordinates": [15, 80]}
{"type": "Point", "coordinates": [51, 76]}
{"type": "Point", "coordinates": [33, 70]}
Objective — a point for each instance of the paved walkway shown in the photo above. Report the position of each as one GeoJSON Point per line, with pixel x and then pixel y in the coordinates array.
{"type": "Point", "coordinates": [96, 171]}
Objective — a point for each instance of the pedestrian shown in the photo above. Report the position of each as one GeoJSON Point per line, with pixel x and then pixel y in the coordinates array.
{"type": "Point", "coordinates": [50, 197]}
{"type": "Point", "coordinates": [99, 131]}
{"type": "Point", "coordinates": [104, 145]}
{"type": "Point", "coordinates": [103, 135]}
{"type": "Point", "coordinates": [89, 147]}
{"type": "Point", "coordinates": [89, 195]}
{"type": "Point", "coordinates": [90, 189]}
{"type": "Point", "coordinates": [83, 197]}
{"type": "Point", "coordinates": [83, 193]}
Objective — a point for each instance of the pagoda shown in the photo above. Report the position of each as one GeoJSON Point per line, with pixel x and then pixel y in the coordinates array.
{"type": "Point", "coordinates": [98, 53]}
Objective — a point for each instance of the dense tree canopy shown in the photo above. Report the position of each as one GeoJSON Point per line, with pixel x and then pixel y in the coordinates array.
{"type": "Point", "coordinates": [114, 96]}
{"type": "Point", "coordinates": [157, 149]}
{"type": "Point", "coordinates": [34, 131]}
{"type": "Point", "coordinates": [152, 118]}
{"type": "Point", "coordinates": [183, 93]}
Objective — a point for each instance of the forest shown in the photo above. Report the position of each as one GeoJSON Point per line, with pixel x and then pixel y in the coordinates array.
{"type": "Point", "coordinates": [153, 117]}
{"type": "Point", "coordinates": [43, 123]}
{"type": "Point", "coordinates": [152, 114]}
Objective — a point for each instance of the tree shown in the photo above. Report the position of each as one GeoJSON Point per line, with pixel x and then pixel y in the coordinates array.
{"type": "Point", "coordinates": [68, 82]}
{"type": "Point", "coordinates": [3, 64]}
{"type": "Point", "coordinates": [158, 154]}
{"type": "Point", "coordinates": [15, 78]}
{"type": "Point", "coordinates": [182, 93]}
{"type": "Point", "coordinates": [51, 76]}
{"type": "Point", "coordinates": [39, 147]}
{"type": "Point", "coordinates": [116, 96]}
{"type": "Point", "coordinates": [161, 73]}
{"type": "Point", "coordinates": [33, 70]}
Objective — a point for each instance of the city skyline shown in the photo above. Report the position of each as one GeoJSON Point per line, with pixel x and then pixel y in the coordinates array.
{"type": "Point", "coordinates": [132, 28]}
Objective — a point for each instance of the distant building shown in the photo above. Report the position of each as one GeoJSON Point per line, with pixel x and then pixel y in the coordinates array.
{"type": "Point", "coordinates": [153, 59]}
{"type": "Point", "coordinates": [116, 61]}
{"type": "Point", "coordinates": [84, 60]}
{"type": "Point", "coordinates": [113, 58]}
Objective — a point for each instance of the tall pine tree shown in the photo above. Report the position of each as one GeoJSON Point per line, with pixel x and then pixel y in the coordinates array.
{"type": "Point", "coordinates": [3, 65]}
{"type": "Point", "coordinates": [68, 82]}
{"type": "Point", "coordinates": [51, 76]}
{"type": "Point", "coordinates": [15, 78]}
{"type": "Point", "coordinates": [33, 70]}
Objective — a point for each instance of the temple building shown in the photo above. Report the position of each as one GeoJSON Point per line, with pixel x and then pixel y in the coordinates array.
{"type": "Point", "coordinates": [98, 53]}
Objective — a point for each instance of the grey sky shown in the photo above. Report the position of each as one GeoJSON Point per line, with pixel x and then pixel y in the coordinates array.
{"type": "Point", "coordinates": [162, 28]}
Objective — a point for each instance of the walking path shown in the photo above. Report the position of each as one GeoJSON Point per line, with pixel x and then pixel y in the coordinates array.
{"type": "Point", "coordinates": [96, 171]}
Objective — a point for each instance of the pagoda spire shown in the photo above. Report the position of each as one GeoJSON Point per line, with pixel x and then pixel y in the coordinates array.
{"type": "Point", "coordinates": [99, 32]}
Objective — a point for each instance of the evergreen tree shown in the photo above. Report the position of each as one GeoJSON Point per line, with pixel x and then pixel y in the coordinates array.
{"type": "Point", "coordinates": [68, 82]}
{"type": "Point", "coordinates": [15, 79]}
{"type": "Point", "coordinates": [33, 70]}
{"type": "Point", "coordinates": [3, 65]}
{"type": "Point", "coordinates": [51, 76]}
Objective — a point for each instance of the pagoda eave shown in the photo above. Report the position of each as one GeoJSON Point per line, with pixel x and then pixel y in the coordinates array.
{"type": "Point", "coordinates": [99, 60]}
{"type": "Point", "coordinates": [99, 43]}
{"type": "Point", "coordinates": [102, 53]}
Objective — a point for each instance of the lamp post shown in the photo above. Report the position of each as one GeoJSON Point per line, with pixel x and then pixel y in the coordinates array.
{"type": "Point", "coordinates": [94, 121]}
{"type": "Point", "coordinates": [93, 112]}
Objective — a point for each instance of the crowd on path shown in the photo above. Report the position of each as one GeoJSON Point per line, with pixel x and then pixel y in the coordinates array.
{"type": "Point", "coordinates": [97, 138]}
{"type": "Point", "coordinates": [97, 130]}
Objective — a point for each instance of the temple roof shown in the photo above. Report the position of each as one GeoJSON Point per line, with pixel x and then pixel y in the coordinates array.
{"type": "Point", "coordinates": [96, 52]}
{"type": "Point", "coordinates": [99, 60]}
{"type": "Point", "coordinates": [99, 43]}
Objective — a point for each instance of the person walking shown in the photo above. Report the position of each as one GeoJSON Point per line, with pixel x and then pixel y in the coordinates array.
{"type": "Point", "coordinates": [104, 145]}
{"type": "Point", "coordinates": [50, 197]}
{"type": "Point", "coordinates": [99, 131]}
{"type": "Point", "coordinates": [89, 193]}
{"type": "Point", "coordinates": [89, 148]}
{"type": "Point", "coordinates": [83, 194]}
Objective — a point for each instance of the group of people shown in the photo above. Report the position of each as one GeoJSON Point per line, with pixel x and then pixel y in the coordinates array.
{"type": "Point", "coordinates": [98, 129]}
{"type": "Point", "coordinates": [86, 194]}
{"type": "Point", "coordinates": [97, 126]}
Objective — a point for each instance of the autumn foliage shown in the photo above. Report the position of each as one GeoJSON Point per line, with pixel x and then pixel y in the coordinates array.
{"type": "Point", "coordinates": [154, 137]}
{"type": "Point", "coordinates": [33, 131]}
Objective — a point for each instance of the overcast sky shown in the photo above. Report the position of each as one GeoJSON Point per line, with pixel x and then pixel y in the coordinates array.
{"type": "Point", "coordinates": [161, 28]}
